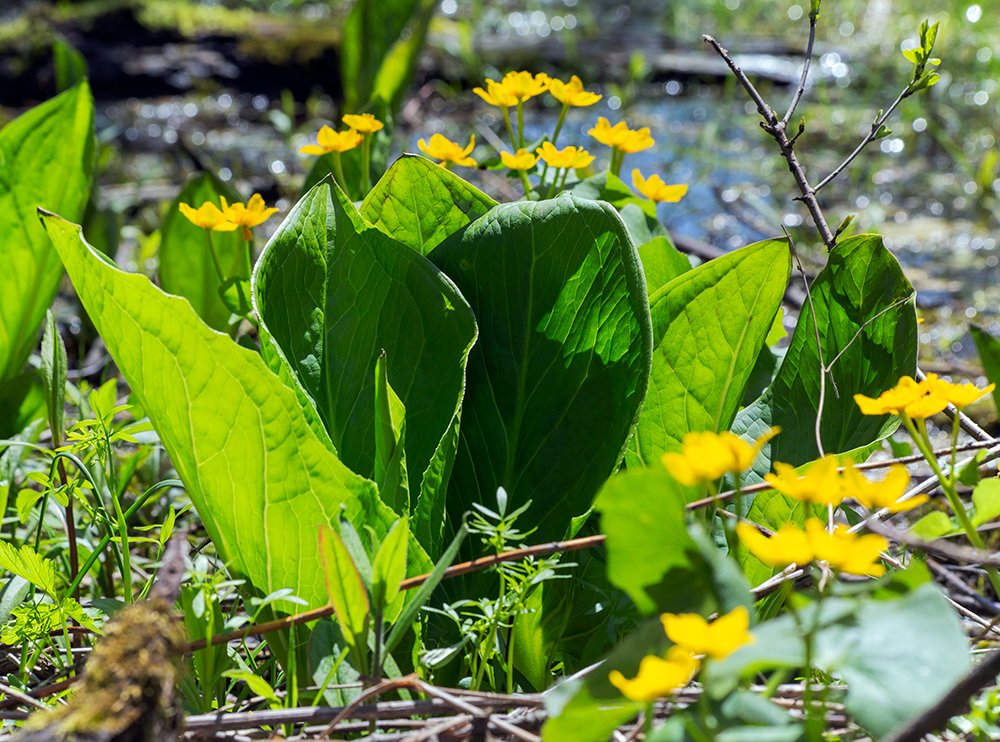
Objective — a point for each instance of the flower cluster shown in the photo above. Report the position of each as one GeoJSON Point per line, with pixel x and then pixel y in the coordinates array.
{"type": "Point", "coordinates": [843, 551]}
{"type": "Point", "coordinates": [920, 399]}
{"type": "Point", "coordinates": [231, 216]}
{"type": "Point", "coordinates": [513, 90]}
{"type": "Point", "coordinates": [329, 142]}
{"type": "Point", "coordinates": [693, 638]}
{"type": "Point", "coordinates": [822, 484]}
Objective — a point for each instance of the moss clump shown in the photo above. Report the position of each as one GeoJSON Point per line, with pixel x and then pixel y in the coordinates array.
{"type": "Point", "coordinates": [129, 690]}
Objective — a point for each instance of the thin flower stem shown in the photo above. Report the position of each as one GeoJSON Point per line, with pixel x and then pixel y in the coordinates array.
{"type": "Point", "coordinates": [248, 257]}
{"type": "Point", "coordinates": [919, 434]}
{"type": "Point", "coordinates": [559, 123]}
{"type": "Point", "coordinates": [215, 257]}
{"type": "Point", "coordinates": [338, 171]}
{"type": "Point", "coordinates": [525, 182]}
{"type": "Point", "coordinates": [366, 145]}
{"type": "Point", "coordinates": [510, 129]}
{"type": "Point", "coordinates": [520, 124]}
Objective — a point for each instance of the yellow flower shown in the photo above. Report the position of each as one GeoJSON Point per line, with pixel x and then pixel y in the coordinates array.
{"type": "Point", "coordinates": [789, 545]}
{"type": "Point", "coordinates": [846, 552]}
{"type": "Point", "coordinates": [365, 122]}
{"type": "Point", "coordinates": [656, 190]}
{"type": "Point", "coordinates": [332, 141]}
{"type": "Point", "coordinates": [574, 157]}
{"type": "Point", "coordinates": [717, 640]}
{"type": "Point", "coordinates": [572, 93]}
{"type": "Point", "coordinates": [958, 394]}
{"type": "Point", "coordinates": [884, 494]}
{"type": "Point", "coordinates": [444, 149]}
{"type": "Point", "coordinates": [657, 677]}
{"type": "Point", "coordinates": [208, 216]}
{"type": "Point", "coordinates": [706, 456]}
{"type": "Point", "coordinates": [620, 136]}
{"type": "Point", "coordinates": [907, 397]}
{"type": "Point", "coordinates": [522, 160]}
{"type": "Point", "coordinates": [249, 215]}
{"type": "Point", "coordinates": [496, 94]}
{"type": "Point", "coordinates": [637, 141]}
{"type": "Point", "coordinates": [524, 85]}
{"type": "Point", "coordinates": [610, 135]}
{"type": "Point", "coordinates": [820, 485]}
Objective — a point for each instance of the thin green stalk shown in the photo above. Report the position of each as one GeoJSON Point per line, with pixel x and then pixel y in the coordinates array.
{"type": "Point", "coordinates": [510, 129]}
{"type": "Point", "coordinates": [509, 669]}
{"type": "Point", "coordinates": [552, 185]}
{"type": "Point", "coordinates": [366, 145]}
{"type": "Point", "coordinates": [215, 258]}
{"type": "Point", "coordinates": [106, 539]}
{"type": "Point", "coordinates": [338, 171]}
{"type": "Point", "coordinates": [520, 123]}
{"type": "Point", "coordinates": [248, 257]}
{"type": "Point", "coordinates": [525, 182]}
{"type": "Point", "coordinates": [559, 123]}
{"type": "Point", "coordinates": [919, 434]}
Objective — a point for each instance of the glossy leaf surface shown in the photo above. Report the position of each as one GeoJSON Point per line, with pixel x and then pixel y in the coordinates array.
{"type": "Point", "coordinates": [421, 204]}
{"type": "Point", "coordinates": [557, 378]}
{"type": "Point", "coordinates": [709, 325]}
{"type": "Point", "coordinates": [856, 289]}
{"type": "Point", "coordinates": [332, 293]}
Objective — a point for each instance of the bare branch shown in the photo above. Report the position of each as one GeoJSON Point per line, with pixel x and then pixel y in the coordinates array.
{"type": "Point", "coordinates": [813, 17]}
{"type": "Point", "coordinates": [864, 142]}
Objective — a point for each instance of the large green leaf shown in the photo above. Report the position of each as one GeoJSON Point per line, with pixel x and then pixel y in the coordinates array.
{"type": "Point", "coordinates": [260, 478]}
{"type": "Point", "coordinates": [861, 280]}
{"type": "Point", "coordinates": [557, 378]}
{"type": "Point", "coordinates": [46, 159]}
{"type": "Point", "coordinates": [650, 554]}
{"type": "Point", "coordinates": [186, 265]}
{"type": "Point", "coordinates": [421, 204]}
{"type": "Point", "coordinates": [710, 325]}
{"type": "Point", "coordinates": [333, 292]}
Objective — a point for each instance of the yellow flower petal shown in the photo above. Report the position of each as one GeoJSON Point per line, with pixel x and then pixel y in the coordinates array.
{"type": "Point", "coordinates": [573, 157]}
{"type": "Point", "coordinates": [206, 216]}
{"type": "Point", "coordinates": [846, 552]}
{"type": "Point", "coordinates": [496, 94]}
{"type": "Point", "coordinates": [657, 677]}
{"type": "Point", "coordinates": [706, 456]}
{"type": "Point", "coordinates": [656, 190]}
{"type": "Point", "coordinates": [789, 545]}
{"type": "Point", "coordinates": [364, 123]}
{"type": "Point", "coordinates": [819, 485]}
{"type": "Point", "coordinates": [572, 93]}
{"type": "Point", "coordinates": [522, 160]}
{"type": "Point", "coordinates": [717, 640]}
{"type": "Point", "coordinates": [442, 148]}
{"type": "Point", "coordinates": [524, 85]}
{"type": "Point", "coordinates": [883, 494]}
